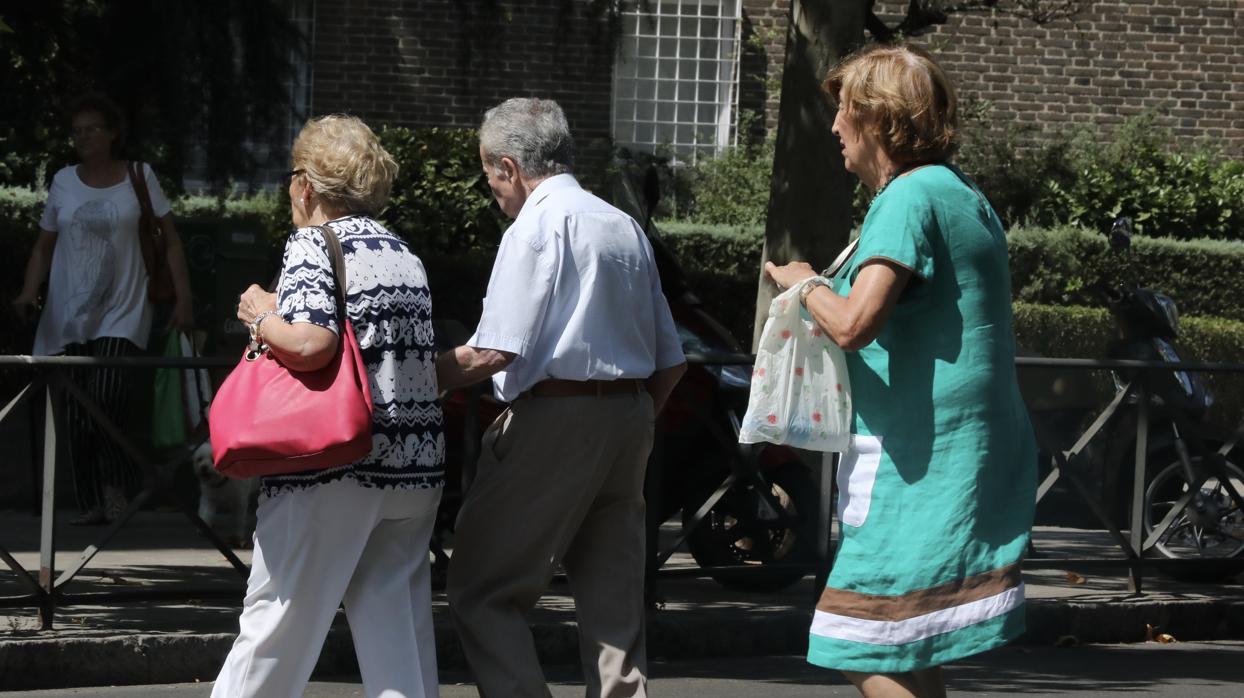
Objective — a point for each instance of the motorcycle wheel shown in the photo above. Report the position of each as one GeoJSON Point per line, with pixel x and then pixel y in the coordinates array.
{"type": "Point", "coordinates": [741, 531]}
{"type": "Point", "coordinates": [1217, 533]}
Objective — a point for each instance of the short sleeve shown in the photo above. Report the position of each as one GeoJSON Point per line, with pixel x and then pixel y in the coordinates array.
{"type": "Point", "coordinates": [51, 209]}
{"type": "Point", "coordinates": [897, 228]}
{"type": "Point", "coordinates": [519, 292]}
{"type": "Point", "coordinates": [669, 347]}
{"type": "Point", "coordinates": [307, 291]}
{"type": "Point", "coordinates": [159, 202]}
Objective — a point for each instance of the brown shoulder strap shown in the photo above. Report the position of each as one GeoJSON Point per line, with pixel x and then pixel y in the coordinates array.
{"type": "Point", "coordinates": [139, 182]}
{"type": "Point", "coordinates": [337, 258]}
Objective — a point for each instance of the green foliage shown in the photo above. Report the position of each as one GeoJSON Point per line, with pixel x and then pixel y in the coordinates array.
{"type": "Point", "coordinates": [1061, 266]}
{"type": "Point", "coordinates": [730, 189]}
{"type": "Point", "coordinates": [1061, 331]}
{"type": "Point", "coordinates": [1073, 266]}
{"type": "Point", "coordinates": [440, 201]}
{"type": "Point", "coordinates": [1013, 166]}
{"type": "Point", "coordinates": [1077, 332]}
{"type": "Point", "coordinates": [722, 266]}
{"type": "Point", "coordinates": [1074, 176]}
{"type": "Point", "coordinates": [197, 81]}
{"type": "Point", "coordinates": [1139, 174]}
{"type": "Point", "coordinates": [722, 249]}
{"type": "Point", "coordinates": [1057, 177]}
{"type": "Point", "coordinates": [270, 209]}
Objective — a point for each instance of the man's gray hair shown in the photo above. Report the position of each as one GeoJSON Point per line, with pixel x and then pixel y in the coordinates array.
{"type": "Point", "coordinates": [531, 132]}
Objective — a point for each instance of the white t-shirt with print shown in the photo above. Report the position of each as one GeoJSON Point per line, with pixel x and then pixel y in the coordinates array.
{"type": "Point", "coordinates": [98, 283]}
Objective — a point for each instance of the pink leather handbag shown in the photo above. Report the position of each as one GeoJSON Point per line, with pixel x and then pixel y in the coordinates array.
{"type": "Point", "coordinates": [269, 420]}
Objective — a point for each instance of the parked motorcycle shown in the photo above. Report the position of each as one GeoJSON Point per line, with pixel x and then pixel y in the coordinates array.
{"type": "Point", "coordinates": [1188, 457]}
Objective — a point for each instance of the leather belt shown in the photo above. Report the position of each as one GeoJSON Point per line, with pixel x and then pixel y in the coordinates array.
{"type": "Point", "coordinates": [558, 387]}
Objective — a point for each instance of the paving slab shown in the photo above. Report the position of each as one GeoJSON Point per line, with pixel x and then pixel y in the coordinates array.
{"type": "Point", "coordinates": [169, 639]}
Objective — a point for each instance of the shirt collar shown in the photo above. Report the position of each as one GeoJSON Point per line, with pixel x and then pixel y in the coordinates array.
{"type": "Point", "coordinates": [548, 186]}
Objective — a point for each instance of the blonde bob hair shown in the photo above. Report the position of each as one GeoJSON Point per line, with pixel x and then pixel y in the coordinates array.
{"type": "Point", "coordinates": [902, 96]}
{"type": "Point", "coordinates": [345, 163]}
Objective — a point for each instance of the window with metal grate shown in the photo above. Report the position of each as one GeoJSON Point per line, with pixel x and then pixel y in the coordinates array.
{"type": "Point", "coordinates": [675, 82]}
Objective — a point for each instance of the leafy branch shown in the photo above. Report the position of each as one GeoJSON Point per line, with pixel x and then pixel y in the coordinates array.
{"type": "Point", "coordinates": [923, 15]}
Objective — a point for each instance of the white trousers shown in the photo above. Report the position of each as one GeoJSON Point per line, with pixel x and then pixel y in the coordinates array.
{"type": "Point", "coordinates": [324, 546]}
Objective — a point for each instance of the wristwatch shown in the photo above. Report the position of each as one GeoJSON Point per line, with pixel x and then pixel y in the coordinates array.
{"type": "Point", "coordinates": [811, 285]}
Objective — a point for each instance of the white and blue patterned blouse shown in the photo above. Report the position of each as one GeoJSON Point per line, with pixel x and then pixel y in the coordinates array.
{"type": "Point", "coordinates": [390, 309]}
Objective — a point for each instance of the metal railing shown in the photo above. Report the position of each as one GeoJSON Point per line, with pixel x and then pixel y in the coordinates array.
{"type": "Point", "coordinates": [1065, 464]}
{"type": "Point", "coordinates": [52, 372]}
{"type": "Point", "coordinates": [46, 590]}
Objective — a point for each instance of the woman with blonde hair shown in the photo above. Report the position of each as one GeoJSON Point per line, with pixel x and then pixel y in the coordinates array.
{"type": "Point", "coordinates": [355, 534]}
{"type": "Point", "coordinates": [939, 482]}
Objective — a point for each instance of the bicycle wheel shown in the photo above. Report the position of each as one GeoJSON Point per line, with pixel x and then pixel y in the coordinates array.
{"type": "Point", "coordinates": [741, 531]}
{"type": "Point", "coordinates": [1215, 530]}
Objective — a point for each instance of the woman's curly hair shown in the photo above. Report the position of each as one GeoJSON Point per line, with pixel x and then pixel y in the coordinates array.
{"type": "Point", "coordinates": [345, 163]}
{"type": "Point", "coordinates": [901, 95]}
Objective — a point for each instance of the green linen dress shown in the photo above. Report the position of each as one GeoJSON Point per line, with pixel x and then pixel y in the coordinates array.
{"type": "Point", "coordinates": [937, 490]}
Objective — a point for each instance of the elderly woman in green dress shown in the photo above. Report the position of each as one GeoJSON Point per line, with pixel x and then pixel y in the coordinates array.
{"type": "Point", "coordinates": [939, 482]}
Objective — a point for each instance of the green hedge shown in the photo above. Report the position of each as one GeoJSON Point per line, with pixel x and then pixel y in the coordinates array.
{"type": "Point", "coordinates": [1078, 332]}
{"type": "Point", "coordinates": [1061, 266]}
{"type": "Point", "coordinates": [1072, 266]}
{"type": "Point", "coordinates": [719, 249]}
{"type": "Point", "coordinates": [1080, 175]}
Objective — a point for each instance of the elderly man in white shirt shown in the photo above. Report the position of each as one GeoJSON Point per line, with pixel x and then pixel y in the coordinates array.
{"type": "Point", "coordinates": [578, 338]}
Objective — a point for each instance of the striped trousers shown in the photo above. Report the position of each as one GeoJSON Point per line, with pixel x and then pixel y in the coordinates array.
{"type": "Point", "coordinates": [96, 459]}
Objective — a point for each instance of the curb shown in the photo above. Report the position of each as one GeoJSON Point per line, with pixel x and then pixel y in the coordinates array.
{"type": "Point", "coordinates": [153, 659]}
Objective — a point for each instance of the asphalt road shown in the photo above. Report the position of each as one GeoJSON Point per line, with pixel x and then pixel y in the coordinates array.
{"type": "Point", "coordinates": [1204, 670]}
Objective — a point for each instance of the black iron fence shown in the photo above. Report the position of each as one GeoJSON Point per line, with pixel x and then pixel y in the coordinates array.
{"type": "Point", "coordinates": [52, 383]}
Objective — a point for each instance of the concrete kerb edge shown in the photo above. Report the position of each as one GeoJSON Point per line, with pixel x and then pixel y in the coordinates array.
{"type": "Point", "coordinates": [27, 664]}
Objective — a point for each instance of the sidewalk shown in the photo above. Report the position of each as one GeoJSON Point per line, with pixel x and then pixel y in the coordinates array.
{"type": "Point", "coordinates": [133, 642]}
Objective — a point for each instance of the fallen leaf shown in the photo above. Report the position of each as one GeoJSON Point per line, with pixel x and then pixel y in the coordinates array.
{"type": "Point", "coordinates": [1150, 629]}
{"type": "Point", "coordinates": [1166, 639]}
{"type": "Point", "coordinates": [1073, 578]}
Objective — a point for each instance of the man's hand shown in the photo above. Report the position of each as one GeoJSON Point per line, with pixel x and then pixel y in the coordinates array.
{"type": "Point", "coordinates": [253, 302]}
{"type": "Point", "coordinates": [466, 365]}
{"type": "Point", "coordinates": [788, 275]}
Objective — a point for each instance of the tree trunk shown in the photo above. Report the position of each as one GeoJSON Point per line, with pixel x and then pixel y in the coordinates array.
{"type": "Point", "coordinates": [810, 199]}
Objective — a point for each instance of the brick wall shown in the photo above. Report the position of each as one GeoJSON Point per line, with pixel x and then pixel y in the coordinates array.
{"type": "Point", "coordinates": [1182, 58]}
{"type": "Point", "coordinates": [444, 62]}
{"type": "Point", "coordinates": [760, 65]}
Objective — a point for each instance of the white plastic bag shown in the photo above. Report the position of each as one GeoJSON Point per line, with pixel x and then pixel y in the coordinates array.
{"type": "Point", "coordinates": [800, 393]}
{"type": "Point", "coordinates": [196, 385]}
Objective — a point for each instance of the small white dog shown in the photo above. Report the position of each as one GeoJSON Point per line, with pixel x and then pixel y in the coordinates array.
{"type": "Point", "coordinates": [224, 503]}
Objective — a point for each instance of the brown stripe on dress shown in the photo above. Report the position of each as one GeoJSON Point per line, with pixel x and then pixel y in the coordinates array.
{"type": "Point", "coordinates": [918, 603]}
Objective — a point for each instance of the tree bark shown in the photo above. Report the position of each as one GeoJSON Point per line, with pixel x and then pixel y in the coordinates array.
{"type": "Point", "coordinates": [810, 199]}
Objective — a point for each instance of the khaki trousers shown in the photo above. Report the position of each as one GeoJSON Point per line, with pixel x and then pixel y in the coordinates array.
{"type": "Point", "coordinates": [559, 479]}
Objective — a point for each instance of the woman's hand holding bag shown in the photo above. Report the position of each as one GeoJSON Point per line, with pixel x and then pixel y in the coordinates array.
{"type": "Point", "coordinates": [269, 420]}
{"type": "Point", "coordinates": [800, 393]}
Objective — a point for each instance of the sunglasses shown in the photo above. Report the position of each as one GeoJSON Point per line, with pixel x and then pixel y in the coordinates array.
{"type": "Point", "coordinates": [289, 176]}
{"type": "Point", "coordinates": [86, 131]}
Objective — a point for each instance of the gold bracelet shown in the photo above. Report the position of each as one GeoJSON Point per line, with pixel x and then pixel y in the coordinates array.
{"type": "Point", "coordinates": [255, 333]}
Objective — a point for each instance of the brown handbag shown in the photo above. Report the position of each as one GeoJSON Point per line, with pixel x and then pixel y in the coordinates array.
{"type": "Point", "coordinates": [151, 240]}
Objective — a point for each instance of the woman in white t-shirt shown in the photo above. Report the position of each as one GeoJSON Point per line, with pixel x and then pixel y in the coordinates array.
{"type": "Point", "coordinates": [88, 252]}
